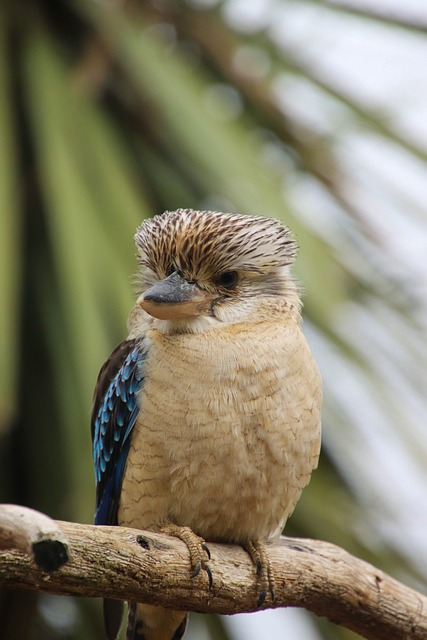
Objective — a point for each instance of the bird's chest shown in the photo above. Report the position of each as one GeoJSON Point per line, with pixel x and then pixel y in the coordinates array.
{"type": "Point", "coordinates": [216, 444]}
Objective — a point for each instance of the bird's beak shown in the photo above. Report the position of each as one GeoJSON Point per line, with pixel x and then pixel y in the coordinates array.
{"type": "Point", "coordinates": [175, 298]}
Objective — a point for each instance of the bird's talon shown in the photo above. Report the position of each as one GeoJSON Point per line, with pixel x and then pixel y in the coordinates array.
{"type": "Point", "coordinates": [258, 554]}
{"type": "Point", "coordinates": [262, 597]}
{"type": "Point", "coordinates": [206, 550]}
{"type": "Point", "coordinates": [210, 577]}
{"type": "Point", "coordinates": [196, 546]}
{"type": "Point", "coordinates": [196, 570]}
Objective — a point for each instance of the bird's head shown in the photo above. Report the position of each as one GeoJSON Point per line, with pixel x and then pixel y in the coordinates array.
{"type": "Point", "coordinates": [205, 268]}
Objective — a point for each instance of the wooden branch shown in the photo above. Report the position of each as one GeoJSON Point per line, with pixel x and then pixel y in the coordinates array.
{"type": "Point", "coordinates": [33, 533]}
{"type": "Point", "coordinates": [128, 564]}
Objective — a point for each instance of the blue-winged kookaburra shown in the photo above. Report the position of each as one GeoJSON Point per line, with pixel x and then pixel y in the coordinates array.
{"type": "Point", "coordinates": [206, 419]}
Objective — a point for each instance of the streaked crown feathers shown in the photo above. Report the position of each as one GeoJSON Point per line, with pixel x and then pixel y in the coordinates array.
{"type": "Point", "coordinates": [210, 242]}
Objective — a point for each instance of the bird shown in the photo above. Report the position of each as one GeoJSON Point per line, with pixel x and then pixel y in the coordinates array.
{"type": "Point", "coordinates": [206, 418]}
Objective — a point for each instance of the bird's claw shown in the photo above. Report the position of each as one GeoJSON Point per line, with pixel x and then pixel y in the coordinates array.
{"type": "Point", "coordinates": [196, 569]}
{"type": "Point", "coordinates": [209, 574]}
{"type": "Point", "coordinates": [262, 597]}
{"type": "Point", "coordinates": [258, 554]}
{"type": "Point", "coordinates": [197, 549]}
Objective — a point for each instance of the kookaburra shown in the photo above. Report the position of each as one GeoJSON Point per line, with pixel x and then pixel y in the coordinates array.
{"type": "Point", "coordinates": [206, 419]}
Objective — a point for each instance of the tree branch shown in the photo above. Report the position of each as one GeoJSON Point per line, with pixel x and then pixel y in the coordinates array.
{"type": "Point", "coordinates": [33, 533]}
{"type": "Point", "coordinates": [128, 564]}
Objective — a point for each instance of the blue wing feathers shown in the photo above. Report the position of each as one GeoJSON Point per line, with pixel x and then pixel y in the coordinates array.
{"type": "Point", "coordinates": [114, 415]}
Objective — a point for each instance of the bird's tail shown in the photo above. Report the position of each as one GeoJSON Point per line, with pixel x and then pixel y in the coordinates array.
{"type": "Point", "coordinates": [113, 614]}
{"type": "Point", "coordinates": [146, 622]}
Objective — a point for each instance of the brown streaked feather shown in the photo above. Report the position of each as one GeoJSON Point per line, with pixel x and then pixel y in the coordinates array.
{"type": "Point", "coordinates": [209, 242]}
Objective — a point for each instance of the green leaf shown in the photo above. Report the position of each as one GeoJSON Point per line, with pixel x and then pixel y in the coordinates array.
{"type": "Point", "coordinates": [10, 239]}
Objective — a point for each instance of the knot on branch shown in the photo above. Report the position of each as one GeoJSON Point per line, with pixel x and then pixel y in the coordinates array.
{"type": "Point", "coordinates": [35, 534]}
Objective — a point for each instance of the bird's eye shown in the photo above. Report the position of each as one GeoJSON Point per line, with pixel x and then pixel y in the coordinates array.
{"type": "Point", "coordinates": [228, 279]}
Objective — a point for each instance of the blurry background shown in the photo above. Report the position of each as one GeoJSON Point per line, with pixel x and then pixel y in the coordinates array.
{"type": "Point", "coordinates": [310, 111]}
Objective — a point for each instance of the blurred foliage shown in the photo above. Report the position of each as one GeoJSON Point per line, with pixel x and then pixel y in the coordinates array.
{"type": "Point", "coordinates": [111, 112]}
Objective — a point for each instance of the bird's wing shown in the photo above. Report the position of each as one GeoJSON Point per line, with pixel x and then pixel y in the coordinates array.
{"type": "Point", "coordinates": [115, 409]}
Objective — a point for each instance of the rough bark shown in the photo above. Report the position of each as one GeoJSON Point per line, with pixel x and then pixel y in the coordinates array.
{"type": "Point", "coordinates": [126, 564]}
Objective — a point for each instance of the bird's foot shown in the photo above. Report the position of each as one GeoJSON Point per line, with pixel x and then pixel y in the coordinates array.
{"type": "Point", "coordinates": [258, 554]}
{"type": "Point", "coordinates": [198, 550]}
